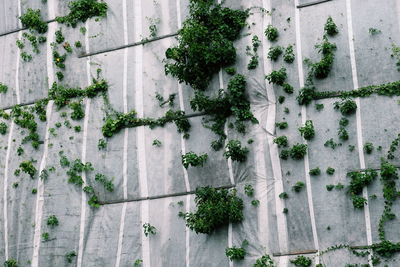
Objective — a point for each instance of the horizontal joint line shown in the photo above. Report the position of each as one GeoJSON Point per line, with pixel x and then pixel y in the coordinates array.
{"type": "Point", "coordinates": [313, 3]}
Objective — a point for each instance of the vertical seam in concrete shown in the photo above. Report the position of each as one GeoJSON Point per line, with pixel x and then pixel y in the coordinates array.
{"type": "Point", "coordinates": [358, 120]}
{"type": "Point", "coordinates": [126, 136]}
{"type": "Point", "coordinates": [304, 118]}
{"type": "Point", "coordinates": [40, 184]}
{"type": "Point", "coordinates": [6, 167]}
{"type": "Point", "coordinates": [83, 156]}
{"type": "Point", "coordinates": [273, 149]}
{"type": "Point", "coordinates": [141, 134]}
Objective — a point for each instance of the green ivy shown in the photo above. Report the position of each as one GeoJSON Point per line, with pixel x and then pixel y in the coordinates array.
{"type": "Point", "coordinates": [191, 159]}
{"type": "Point", "coordinates": [302, 261]}
{"type": "Point", "coordinates": [235, 253]}
{"type": "Point", "coordinates": [307, 131]}
{"type": "Point", "coordinates": [298, 151]}
{"type": "Point", "coordinates": [271, 33]}
{"type": "Point", "coordinates": [205, 43]}
{"type": "Point", "coordinates": [215, 208]}
{"type": "Point", "coordinates": [32, 20]}
{"type": "Point", "coordinates": [82, 10]}
{"type": "Point", "coordinates": [235, 151]}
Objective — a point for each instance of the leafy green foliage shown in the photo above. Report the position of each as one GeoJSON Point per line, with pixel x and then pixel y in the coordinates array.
{"type": "Point", "coordinates": [321, 69]}
{"type": "Point", "coordinates": [69, 256]}
{"type": "Point", "coordinates": [302, 261]}
{"type": "Point", "coordinates": [298, 151]}
{"type": "Point", "coordinates": [281, 141]}
{"type": "Point", "coordinates": [368, 147]}
{"type": "Point", "coordinates": [307, 131]}
{"type": "Point", "coordinates": [283, 195]}
{"type": "Point", "coordinates": [45, 237]}
{"type": "Point", "coordinates": [277, 77]}
{"type": "Point", "coordinates": [235, 253]}
{"type": "Point", "coordinates": [149, 229]}
{"type": "Point", "coordinates": [289, 56]}
{"type": "Point", "coordinates": [32, 20]}
{"type": "Point", "coordinates": [264, 261]}
{"type": "Point", "coordinates": [358, 201]}
{"type": "Point", "coordinates": [254, 56]}
{"type": "Point", "coordinates": [330, 171]}
{"type": "Point", "coordinates": [374, 31]}
{"type": "Point", "coordinates": [330, 143]}
{"type": "Point", "coordinates": [102, 144]}
{"type": "Point", "coordinates": [287, 88]}
{"type": "Point", "coordinates": [3, 88]}
{"type": "Point", "coordinates": [275, 52]}
{"type": "Point", "coordinates": [396, 55]}
{"type": "Point", "coordinates": [346, 107]}
{"type": "Point", "coordinates": [3, 128]}
{"type": "Point", "coordinates": [108, 184]}
{"type": "Point", "coordinates": [249, 190]}
{"type": "Point", "coordinates": [235, 151]}
{"type": "Point", "coordinates": [298, 186]}
{"type": "Point", "coordinates": [315, 171]}
{"type": "Point", "coordinates": [27, 167]}
{"type": "Point", "coordinates": [215, 208]}
{"type": "Point", "coordinates": [52, 221]}
{"type": "Point", "coordinates": [10, 263]}
{"type": "Point", "coordinates": [282, 125]}
{"type": "Point", "coordinates": [329, 187]}
{"type": "Point", "coordinates": [271, 33]}
{"type": "Point", "coordinates": [319, 107]}
{"type": "Point", "coordinates": [82, 10]}
{"type": "Point", "coordinates": [77, 110]}
{"type": "Point", "coordinates": [59, 36]}
{"type": "Point", "coordinates": [191, 159]}
{"type": "Point", "coordinates": [205, 43]}
{"type": "Point", "coordinates": [330, 27]}
{"type": "Point", "coordinates": [306, 95]}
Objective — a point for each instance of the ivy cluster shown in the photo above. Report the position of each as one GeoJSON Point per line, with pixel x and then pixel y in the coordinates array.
{"type": "Point", "coordinates": [235, 253]}
{"type": "Point", "coordinates": [264, 261]}
{"type": "Point", "coordinates": [359, 180]}
{"type": "Point", "coordinates": [235, 151]}
{"type": "Point", "coordinates": [253, 53]}
{"type": "Point", "coordinates": [307, 131]}
{"type": "Point", "coordinates": [32, 20]}
{"type": "Point", "coordinates": [191, 159]}
{"type": "Point", "coordinates": [82, 10]}
{"type": "Point", "coordinates": [302, 261]}
{"type": "Point", "coordinates": [215, 208]}
{"type": "Point", "coordinates": [271, 33]}
{"type": "Point", "coordinates": [205, 43]}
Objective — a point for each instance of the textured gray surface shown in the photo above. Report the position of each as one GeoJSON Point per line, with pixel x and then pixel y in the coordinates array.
{"type": "Point", "coordinates": [98, 234]}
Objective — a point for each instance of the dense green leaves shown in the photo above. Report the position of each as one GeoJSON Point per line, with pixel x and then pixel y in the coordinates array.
{"type": "Point", "coordinates": [32, 20]}
{"type": "Point", "coordinates": [191, 159]}
{"type": "Point", "coordinates": [205, 43]}
{"type": "Point", "coordinates": [215, 208]}
{"type": "Point", "coordinates": [235, 151]}
{"type": "Point", "coordinates": [82, 10]}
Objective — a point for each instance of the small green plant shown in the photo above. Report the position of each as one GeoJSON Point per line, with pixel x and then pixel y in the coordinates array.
{"type": "Point", "coordinates": [298, 151]}
{"type": "Point", "coordinates": [26, 57]}
{"type": "Point", "coordinates": [157, 143]}
{"type": "Point", "coordinates": [264, 261]}
{"type": "Point", "coordinates": [374, 31]}
{"type": "Point", "coordinates": [289, 56]}
{"type": "Point", "coordinates": [27, 167]}
{"type": "Point", "coordinates": [45, 237]}
{"type": "Point", "coordinates": [283, 195]}
{"type": "Point", "coordinates": [358, 201]}
{"type": "Point", "coordinates": [192, 159]}
{"type": "Point", "coordinates": [281, 141]}
{"type": "Point", "coordinates": [275, 52]}
{"type": "Point", "coordinates": [346, 107]}
{"type": "Point", "coordinates": [32, 20]}
{"type": "Point", "coordinates": [3, 88]}
{"type": "Point", "coordinates": [321, 69]}
{"type": "Point", "coordinates": [230, 70]}
{"type": "Point", "coordinates": [3, 128]}
{"type": "Point", "coordinates": [215, 208]}
{"type": "Point", "coordinates": [235, 151]}
{"type": "Point", "coordinates": [319, 107]}
{"type": "Point", "coordinates": [330, 143]}
{"type": "Point", "coordinates": [287, 88]}
{"type": "Point", "coordinates": [285, 210]}
{"type": "Point", "coordinates": [59, 36]}
{"type": "Point", "coordinates": [284, 154]}
{"type": "Point", "coordinates": [298, 186]}
{"type": "Point", "coordinates": [315, 171]}
{"type": "Point", "coordinates": [271, 33]}
{"type": "Point", "coordinates": [307, 131]}
{"type": "Point", "coordinates": [302, 261]}
{"type": "Point", "coordinates": [34, 191]}
{"type": "Point", "coordinates": [148, 229]}
{"type": "Point", "coordinates": [52, 221]}
{"type": "Point", "coordinates": [77, 111]}
{"type": "Point", "coordinates": [343, 134]}
{"type": "Point", "coordinates": [282, 125]}
{"type": "Point", "coordinates": [330, 171]}
{"type": "Point", "coordinates": [108, 184]}
{"type": "Point", "coordinates": [60, 75]}
{"type": "Point", "coordinates": [20, 44]}
{"type": "Point", "coordinates": [138, 263]}
{"type": "Point", "coordinates": [255, 202]}
{"type": "Point", "coordinates": [82, 10]}
{"type": "Point", "coordinates": [78, 44]}
{"type": "Point", "coordinates": [70, 256]}
{"type": "Point", "coordinates": [368, 147]}
{"type": "Point", "coordinates": [254, 56]}
{"type": "Point", "coordinates": [330, 27]}
{"type": "Point", "coordinates": [102, 144]}
{"type": "Point", "coordinates": [249, 190]}
{"type": "Point", "coordinates": [10, 263]}
{"type": "Point", "coordinates": [235, 253]}
{"type": "Point", "coordinates": [396, 55]}
{"type": "Point", "coordinates": [277, 77]}
{"type": "Point", "coordinates": [330, 187]}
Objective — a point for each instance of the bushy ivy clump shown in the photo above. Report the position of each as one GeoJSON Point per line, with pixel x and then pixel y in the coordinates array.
{"type": "Point", "coordinates": [82, 10]}
{"type": "Point", "coordinates": [264, 261]}
{"type": "Point", "coordinates": [192, 159]}
{"type": "Point", "coordinates": [215, 208]}
{"type": "Point", "coordinates": [307, 131]}
{"type": "Point", "coordinates": [205, 43]}
{"type": "Point", "coordinates": [302, 261]}
{"type": "Point", "coordinates": [32, 20]}
{"type": "Point", "coordinates": [359, 180]}
{"type": "Point", "coordinates": [235, 151]}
